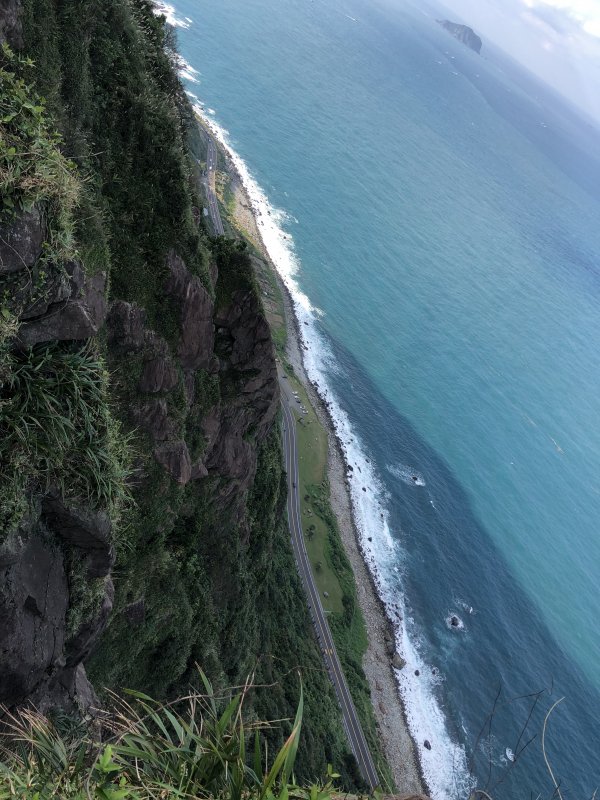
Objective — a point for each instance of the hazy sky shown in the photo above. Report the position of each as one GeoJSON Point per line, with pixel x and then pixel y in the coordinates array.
{"type": "Point", "coordinates": [559, 40]}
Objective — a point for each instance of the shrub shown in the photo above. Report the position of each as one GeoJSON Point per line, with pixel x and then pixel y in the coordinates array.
{"type": "Point", "coordinates": [154, 751]}
{"type": "Point", "coordinates": [32, 168]}
{"type": "Point", "coordinates": [57, 430]}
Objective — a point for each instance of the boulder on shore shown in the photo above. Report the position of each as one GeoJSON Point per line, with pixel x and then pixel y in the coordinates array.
{"type": "Point", "coordinates": [398, 662]}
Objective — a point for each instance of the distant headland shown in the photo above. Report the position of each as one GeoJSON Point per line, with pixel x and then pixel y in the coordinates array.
{"type": "Point", "coordinates": [463, 33]}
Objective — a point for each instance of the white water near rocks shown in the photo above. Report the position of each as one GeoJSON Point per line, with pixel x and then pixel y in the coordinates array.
{"type": "Point", "coordinates": [444, 259]}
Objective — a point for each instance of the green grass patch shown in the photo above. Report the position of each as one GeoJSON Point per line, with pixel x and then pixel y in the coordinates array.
{"type": "Point", "coordinates": [57, 429]}
{"type": "Point", "coordinates": [85, 594]}
{"type": "Point", "coordinates": [314, 506]}
{"type": "Point", "coordinates": [32, 167]}
{"type": "Point", "coordinates": [318, 523]}
{"type": "Point", "coordinates": [205, 744]}
{"type": "Point", "coordinates": [331, 569]}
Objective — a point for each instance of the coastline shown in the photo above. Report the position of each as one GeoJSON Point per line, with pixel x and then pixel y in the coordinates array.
{"type": "Point", "coordinates": [387, 705]}
{"type": "Point", "coordinates": [398, 745]}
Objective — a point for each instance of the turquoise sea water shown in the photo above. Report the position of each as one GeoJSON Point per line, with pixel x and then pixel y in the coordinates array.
{"type": "Point", "coordinates": [446, 237]}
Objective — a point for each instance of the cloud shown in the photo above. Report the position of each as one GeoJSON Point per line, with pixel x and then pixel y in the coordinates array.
{"type": "Point", "coordinates": [584, 13]}
{"type": "Point", "coordinates": [592, 26]}
{"type": "Point", "coordinates": [557, 40]}
{"type": "Point", "coordinates": [550, 17]}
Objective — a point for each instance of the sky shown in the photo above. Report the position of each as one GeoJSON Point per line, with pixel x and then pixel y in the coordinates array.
{"type": "Point", "coordinates": [558, 40]}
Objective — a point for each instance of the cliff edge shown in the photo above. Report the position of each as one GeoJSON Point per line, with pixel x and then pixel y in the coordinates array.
{"type": "Point", "coordinates": [141, 482]}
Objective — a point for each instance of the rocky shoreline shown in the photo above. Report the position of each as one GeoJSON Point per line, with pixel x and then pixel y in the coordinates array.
{"type": "Point", "coordinates": [398, 745]}
{"type": "Point", "coordinates": [377, 664]}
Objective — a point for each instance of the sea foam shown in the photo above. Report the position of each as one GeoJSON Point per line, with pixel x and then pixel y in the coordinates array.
{"type": "Point", "coordinates": [187, 72]}
{"type": "Point", "coordinates": [170, 14]}
{"type": "Point", "coordinates": [445, 765]}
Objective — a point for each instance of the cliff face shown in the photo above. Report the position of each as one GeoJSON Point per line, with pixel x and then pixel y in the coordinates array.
{"type": "Point", "coordinates": [194, 383]}
{"type": "Point", "coordinates": [141, 484]}
{"type": "Point", "coordinates": [463, 33]}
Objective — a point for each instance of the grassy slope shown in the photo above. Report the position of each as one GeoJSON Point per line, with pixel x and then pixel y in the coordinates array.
{"type": "Point", "coordinates": [233, 607]}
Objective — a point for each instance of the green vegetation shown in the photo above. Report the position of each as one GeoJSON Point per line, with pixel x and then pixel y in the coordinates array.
{"type": "Point", "coordinates": [203, 745]}
{"type": "Point", "coordinates": [85, 594]}
{"type": "Point", "coordinates": [32, 167]}
{"type": "Point", "coordinates": [210, 567]}
{"type": "Point", "coordinates": [230, 601]}
{"type": "Point", "coordinates": [235, 269]}
{"type": "Point", "coordinates": [124, 116]}
{"type": "Point", "coordinates": [57, 430]}
{"type": "Point", "coordinates": [331, 569]}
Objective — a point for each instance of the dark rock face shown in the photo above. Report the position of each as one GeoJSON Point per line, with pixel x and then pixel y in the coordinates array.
{"type": "Point", "coordinates": [38, 663]}
{"type": "Point", "coordinates": [57, 290]}
{"type": "Point", "coordinates": [199, 471]}
{"type": "Point", "coordinates": [246, 357]}
{"type": "Point", "coordinates": [33, 605]}
{"type": "Point", "coordinates": [153, 418]}
{"type": "Point", "coordinates": [21, 241]}
{"type": "Point", "coordinates": [175, 458]}
{"type": "Point", "coordinates": [11, 29]}
{"type": "Point", "coordinates": [211, 426]}
{"type": "Point", "coordinates": [88, 531]}
{"type": "Point", "coordinates": [398, 662]}
{"type": "Point", "coordinates": [197, 329]}
{"type": "Point", "coordinates": [160, 373]}
{"type": "Point", "coordinates": [463, 33]}
{"type": "Point", "coordinates": [125, 326]}
{"type": "Point", "coordinates": [79, 316]}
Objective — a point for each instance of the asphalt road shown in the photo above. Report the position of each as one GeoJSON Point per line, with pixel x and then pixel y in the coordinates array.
{"type": "Point", "coordinates": [354, 731]}
{"type": "Point", "coordinates": [352, 725]}
{"type": "Point", "coordinates": [209, 185]}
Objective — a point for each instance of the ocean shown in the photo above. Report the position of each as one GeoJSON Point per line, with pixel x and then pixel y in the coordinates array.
{"type": "Point", "coordinates": [435, 215]}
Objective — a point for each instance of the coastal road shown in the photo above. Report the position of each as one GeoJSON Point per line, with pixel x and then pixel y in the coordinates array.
{"type": "Point", "coordinates": [352, 724]}
{"type": "Point", "coordinates": [354, 731]}
{"type": "Point", "coordinates": [209, 185]}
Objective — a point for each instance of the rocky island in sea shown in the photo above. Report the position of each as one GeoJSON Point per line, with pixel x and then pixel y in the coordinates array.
{"type": "Point", "coordinates": [463, 33]}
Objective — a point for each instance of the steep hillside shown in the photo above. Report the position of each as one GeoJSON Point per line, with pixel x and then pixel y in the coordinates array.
{"type": "Point", "coordinates": [142, 488]}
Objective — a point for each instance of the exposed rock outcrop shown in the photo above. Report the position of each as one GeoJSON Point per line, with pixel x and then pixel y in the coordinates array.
{"type": "Point", "coordinates": [463, 33]}
{"type": "Point", "coordinates": [244, 346]}
{"type": "Point", "coordinates": [153, 418]}
{"type": "Point", "coordinates": [33, 606]}
{"type": "Point", "coordinates": [398, 662]}
{"type": "Point", "coordinates": [160, 373]}
{"type": "Point", "coordinates": [21, 241]}
{"type": "Point", "coordinates": [197, 385]}
{"type": "Point", "coordinates": [11, 27]}
{"type": "Point", "coordinates": [175, 458]}
{"type": "Point", "coordinates": [87, 530]}
{"type": "Point", "coordinates": [40, 662]}
{"type": "Point", "coordinates": [78, 316]}
{"type": "Point", "coordinates": [240, 352]}
{"type": "Point", "coordinates": [196, 315]}
{"type": "Point", "coordinates": [125, 326]}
